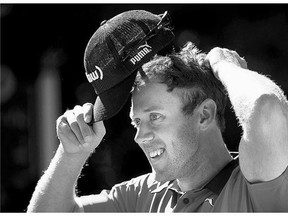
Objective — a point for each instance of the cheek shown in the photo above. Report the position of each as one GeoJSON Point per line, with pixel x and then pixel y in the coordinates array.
{"type": "Point", "coordinates": [178, 137]}
{"type": "Point", "coordinates": [186, 135]}
{"type": "Point", "coordinates": [187, 138]}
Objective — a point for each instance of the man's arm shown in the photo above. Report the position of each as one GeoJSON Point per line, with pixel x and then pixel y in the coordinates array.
{"type": "Point", "coordinates": [55, 190]}
{"type": "Point", "coordinates": [262, 110]}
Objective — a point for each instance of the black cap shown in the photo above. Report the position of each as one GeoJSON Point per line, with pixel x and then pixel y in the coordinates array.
{"type": "Point", "coordinates": [116, 50]}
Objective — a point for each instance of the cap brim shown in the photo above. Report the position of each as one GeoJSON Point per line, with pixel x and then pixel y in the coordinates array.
{"type": "Point", "coordinates": [110, 102]}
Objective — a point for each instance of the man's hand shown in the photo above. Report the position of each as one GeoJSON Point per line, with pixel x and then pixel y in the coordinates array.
{"type": "Point", "coordinates": [74, 133]}
{"type": "Point", "coordinates": [219, 55]}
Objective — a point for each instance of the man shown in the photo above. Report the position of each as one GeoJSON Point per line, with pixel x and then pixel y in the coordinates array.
{"type": "Point", "coordinates": [177, 110]}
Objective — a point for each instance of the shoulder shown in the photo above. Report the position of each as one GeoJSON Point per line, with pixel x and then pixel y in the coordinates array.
{"type": "Point", "coordinates": [270, 195]}
{"type": "Point", "coordinates": [139, 183]}
{"type": "Point", "coordinates": [237, 181]}
{"type": "Point", "coordinates": [241, 195]}
{"type": "Point", "coordinates": [135, 194]}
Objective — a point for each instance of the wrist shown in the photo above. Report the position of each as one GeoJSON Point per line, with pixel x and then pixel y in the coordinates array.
{"type": "Point", "coordinates": [80, 157]}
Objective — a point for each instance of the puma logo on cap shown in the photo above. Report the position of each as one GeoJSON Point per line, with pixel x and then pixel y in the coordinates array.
{"type": "Point", "coordinates": [143, 50]}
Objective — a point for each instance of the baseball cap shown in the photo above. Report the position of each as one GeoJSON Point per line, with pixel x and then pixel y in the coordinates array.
{"type": "Point", "coordinates": [116, 50]}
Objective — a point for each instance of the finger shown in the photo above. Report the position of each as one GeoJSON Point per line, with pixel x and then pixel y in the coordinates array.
{"type": "Point", "coordinates": [99, 129]}
{"type": "Point", "coordinates": [85, 129]}
{"type": "Point", "coordinates": [88, 112]}
{"type": "Point", "coordinates": [72, 121]}
{"type": "Point", "coordinates": [215, 55]}
{"type": "Point", "coordinates": [64, 131]}
{"type": "Point", "coordinates": [243, 63]}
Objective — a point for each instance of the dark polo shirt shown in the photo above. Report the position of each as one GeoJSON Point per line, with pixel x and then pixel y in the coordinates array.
{"type": "Point", "coordinates": [228, 191]}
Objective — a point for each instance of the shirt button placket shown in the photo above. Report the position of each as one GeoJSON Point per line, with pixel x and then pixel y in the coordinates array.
{"type": "Point", "coordinates": [186, 200]}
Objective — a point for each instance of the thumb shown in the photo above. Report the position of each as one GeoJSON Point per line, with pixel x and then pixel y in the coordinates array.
{"type": "Point", "coordinates": [99, 129]}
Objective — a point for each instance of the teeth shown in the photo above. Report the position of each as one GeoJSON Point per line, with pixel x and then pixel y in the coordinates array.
{"type": "Point", "coordinates": [156, 153]}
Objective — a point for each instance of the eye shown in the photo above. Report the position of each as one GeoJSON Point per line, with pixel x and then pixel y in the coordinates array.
{"type": "Point", "coordinates": [155, 116]}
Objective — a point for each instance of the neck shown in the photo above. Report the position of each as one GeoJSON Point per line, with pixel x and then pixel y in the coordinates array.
{"type": "Point", "coordinates": [212, 158]}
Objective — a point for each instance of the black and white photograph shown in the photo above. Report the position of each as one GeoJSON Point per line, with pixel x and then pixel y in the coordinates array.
{"type": "Point", "coordinates": [144, 107]}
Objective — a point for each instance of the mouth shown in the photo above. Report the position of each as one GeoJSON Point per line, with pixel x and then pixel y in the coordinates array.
{"type": "Point", "coordinates": [156, 154]}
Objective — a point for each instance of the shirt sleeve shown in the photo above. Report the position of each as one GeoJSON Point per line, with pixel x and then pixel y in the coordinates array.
{"type": "Point", "coordinates": [124, 197]}
{"type": "Point", "coordinates": [271, 196]}
{"type": "Point", "coordinates": [115, 200]}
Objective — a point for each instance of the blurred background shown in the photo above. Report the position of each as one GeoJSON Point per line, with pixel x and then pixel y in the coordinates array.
{"type": "Point", "coordinates": [42, 75]}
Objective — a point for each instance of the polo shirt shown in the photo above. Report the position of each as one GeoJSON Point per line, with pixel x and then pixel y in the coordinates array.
{"type": "Point", "coordinates": [228, 191]}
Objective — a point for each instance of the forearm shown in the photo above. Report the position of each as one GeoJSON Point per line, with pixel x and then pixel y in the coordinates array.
{"type": "Point", "coordinates": [55, 191]}
{"type": "Point", "coordinates": [245, 88]}
{"type": "Point", "coordinates": [262, 110]}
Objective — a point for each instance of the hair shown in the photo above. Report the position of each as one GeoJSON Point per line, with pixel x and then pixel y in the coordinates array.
{"type": "Point", "coordinates": [187, 71]}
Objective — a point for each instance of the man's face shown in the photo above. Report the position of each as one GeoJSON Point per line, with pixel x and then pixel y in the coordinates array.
{"type": "Point", "coordinates": [167, 137]}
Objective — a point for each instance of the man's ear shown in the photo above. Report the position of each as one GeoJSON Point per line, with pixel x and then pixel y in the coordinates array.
{"type": "Point", "coordinates": [207, 111]}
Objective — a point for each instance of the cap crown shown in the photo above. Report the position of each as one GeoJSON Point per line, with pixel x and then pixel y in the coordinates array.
{"type": "Point", "coordinates": [121, 45]}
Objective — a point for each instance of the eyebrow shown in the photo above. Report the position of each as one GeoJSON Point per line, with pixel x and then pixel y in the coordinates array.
{"type": "Point", "coordinates": [153, 108]}
{"type": "Point", "coordinates": [149, 109]}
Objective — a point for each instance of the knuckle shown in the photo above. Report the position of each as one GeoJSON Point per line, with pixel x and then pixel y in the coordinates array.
{"type": "Point", "coordinates": [88, 104]}
{"type": "Point", "coordinates": [67, 115]}
{"type": "Point", "coordinates": [218, 51]}
{"type": "Point", "coordinates": [77, 107]}
{"type": "Point", "coordinates": [67, 112]}
{"type": "Point", "coordinates": [78, 112]}
{"type": "Point", "coordinates": [87, 107]}
{"type": "Point", "coordinates": [217, 48]}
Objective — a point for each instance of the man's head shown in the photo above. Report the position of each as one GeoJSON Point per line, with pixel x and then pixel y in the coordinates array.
{"type": "Point", "coordinates": [166, 94]}
{"type": "Point", "coordinates": [187, 72]}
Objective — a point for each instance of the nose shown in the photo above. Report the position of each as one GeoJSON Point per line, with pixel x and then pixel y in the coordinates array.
{"type": "Point", "coordinates": [144, 134]}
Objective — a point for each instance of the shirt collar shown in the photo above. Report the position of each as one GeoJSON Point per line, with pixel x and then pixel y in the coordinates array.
{"type": "Point", "coordinates": [160, 186]}
{"type": "Point", "coordinates": [215, 185]}
{"type": "Point", "coordinates": [218, 182]}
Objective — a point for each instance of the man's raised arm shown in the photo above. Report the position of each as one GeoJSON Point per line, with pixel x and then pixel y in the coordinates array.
{"type": "Point", "coordinates": [55, 191]}
{"type": "Point", "coordinates": [262, 110]}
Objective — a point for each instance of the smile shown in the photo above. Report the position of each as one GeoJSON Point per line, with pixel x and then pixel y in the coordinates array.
{"type": "Point", "coordinates": [156, 153]}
